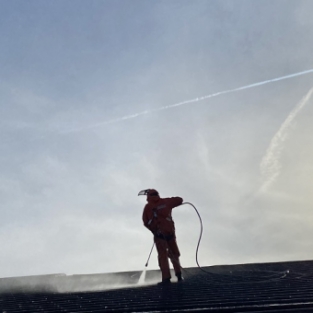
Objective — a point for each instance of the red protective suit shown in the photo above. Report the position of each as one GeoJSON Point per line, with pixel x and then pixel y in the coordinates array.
{"type": "Point", "coordinates": [157, 217]}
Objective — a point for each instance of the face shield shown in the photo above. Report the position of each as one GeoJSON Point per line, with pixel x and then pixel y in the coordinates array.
{"type": "Point", "coordinates": [143, 192]}
{"type": "Point", "coordinates": [148, 192]}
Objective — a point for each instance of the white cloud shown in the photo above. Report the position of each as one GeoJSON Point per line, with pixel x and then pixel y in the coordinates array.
{"type": "Point", "coordinates": [270, 165]}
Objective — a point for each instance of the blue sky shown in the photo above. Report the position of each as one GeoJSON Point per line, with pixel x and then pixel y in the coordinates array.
{"type": "Point", "coordinates": [76, 76]}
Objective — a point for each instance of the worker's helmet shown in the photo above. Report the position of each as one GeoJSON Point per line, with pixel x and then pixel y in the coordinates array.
{"type": "Point", "coordinates": [148, 192]}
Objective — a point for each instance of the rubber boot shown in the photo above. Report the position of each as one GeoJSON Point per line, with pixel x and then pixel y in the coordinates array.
{"type": "Point", "coordinates": [164, 282]}
{"type": "Point", "coordinates": [179, 277]}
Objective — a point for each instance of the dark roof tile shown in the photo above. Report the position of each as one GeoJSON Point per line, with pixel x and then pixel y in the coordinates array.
{"type": "Point", "coordinates": [264, 287]}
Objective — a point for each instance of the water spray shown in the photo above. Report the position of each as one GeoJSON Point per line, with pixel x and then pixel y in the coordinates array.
{"type": "Point", "coordinates": [143, 274]}
{"type": "Point", "coordinates": [142, 277]}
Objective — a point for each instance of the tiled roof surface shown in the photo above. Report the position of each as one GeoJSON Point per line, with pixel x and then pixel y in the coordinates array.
{"type": "Point", "coordinates": [266, 287]}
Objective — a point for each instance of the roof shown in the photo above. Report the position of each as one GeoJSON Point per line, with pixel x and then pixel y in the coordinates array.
{"type": "Point", "coordinates": [264, 287]}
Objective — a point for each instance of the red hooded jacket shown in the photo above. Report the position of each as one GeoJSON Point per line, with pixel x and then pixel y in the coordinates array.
{"type": "Point", "coordinates": [157, 215]}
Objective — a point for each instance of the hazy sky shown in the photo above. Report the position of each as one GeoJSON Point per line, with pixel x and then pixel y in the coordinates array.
{"type": "Point", "coordinates": [89, 118]}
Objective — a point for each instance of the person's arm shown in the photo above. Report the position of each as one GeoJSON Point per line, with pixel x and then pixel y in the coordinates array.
{"type": "Point", "coordinates": [175, 201]}
{"type": "Point", "coordinates": [147, 222]}
{"type": "Point", "coordinates": [145, 218]}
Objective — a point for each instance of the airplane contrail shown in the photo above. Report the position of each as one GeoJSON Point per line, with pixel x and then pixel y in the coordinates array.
{"type": "Point", "coordinates": [270, 165]}
{"type": "Point", "coordinates": [131, 116]}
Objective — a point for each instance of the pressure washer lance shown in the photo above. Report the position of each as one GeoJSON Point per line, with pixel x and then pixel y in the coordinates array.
{"type": "Point", "coordinates": [149, 255]}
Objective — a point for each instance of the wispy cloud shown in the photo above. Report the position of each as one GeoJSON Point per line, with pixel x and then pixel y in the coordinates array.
{"type": "Point", "coordinates": [270, 166]}
{"type": "Point", "coordinates": [135, 115]}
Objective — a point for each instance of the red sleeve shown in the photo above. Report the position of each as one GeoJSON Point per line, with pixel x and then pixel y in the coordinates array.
{"type": "Point", "coordinates": [175, 201]}
{"type": "Point", "coordinates": [145, 218]}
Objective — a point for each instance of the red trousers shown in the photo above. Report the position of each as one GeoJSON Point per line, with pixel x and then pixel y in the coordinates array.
{"type": "Point", "coordinates": [167, 250]}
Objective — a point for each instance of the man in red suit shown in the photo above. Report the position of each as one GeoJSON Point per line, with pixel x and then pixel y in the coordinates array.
{"type": "Point", "coordinates": [157, 217]}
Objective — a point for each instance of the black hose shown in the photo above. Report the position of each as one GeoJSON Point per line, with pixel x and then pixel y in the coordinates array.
{"type": "Point", "coordinates": [201, 231]}
{"type": "Point", "coordinates": [276, 276]}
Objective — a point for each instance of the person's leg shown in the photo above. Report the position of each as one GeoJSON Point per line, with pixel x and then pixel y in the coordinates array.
{"type": "Point", "coordinates": [162, 249]}
{"type": "Point", "coordinates": [174, 254]}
